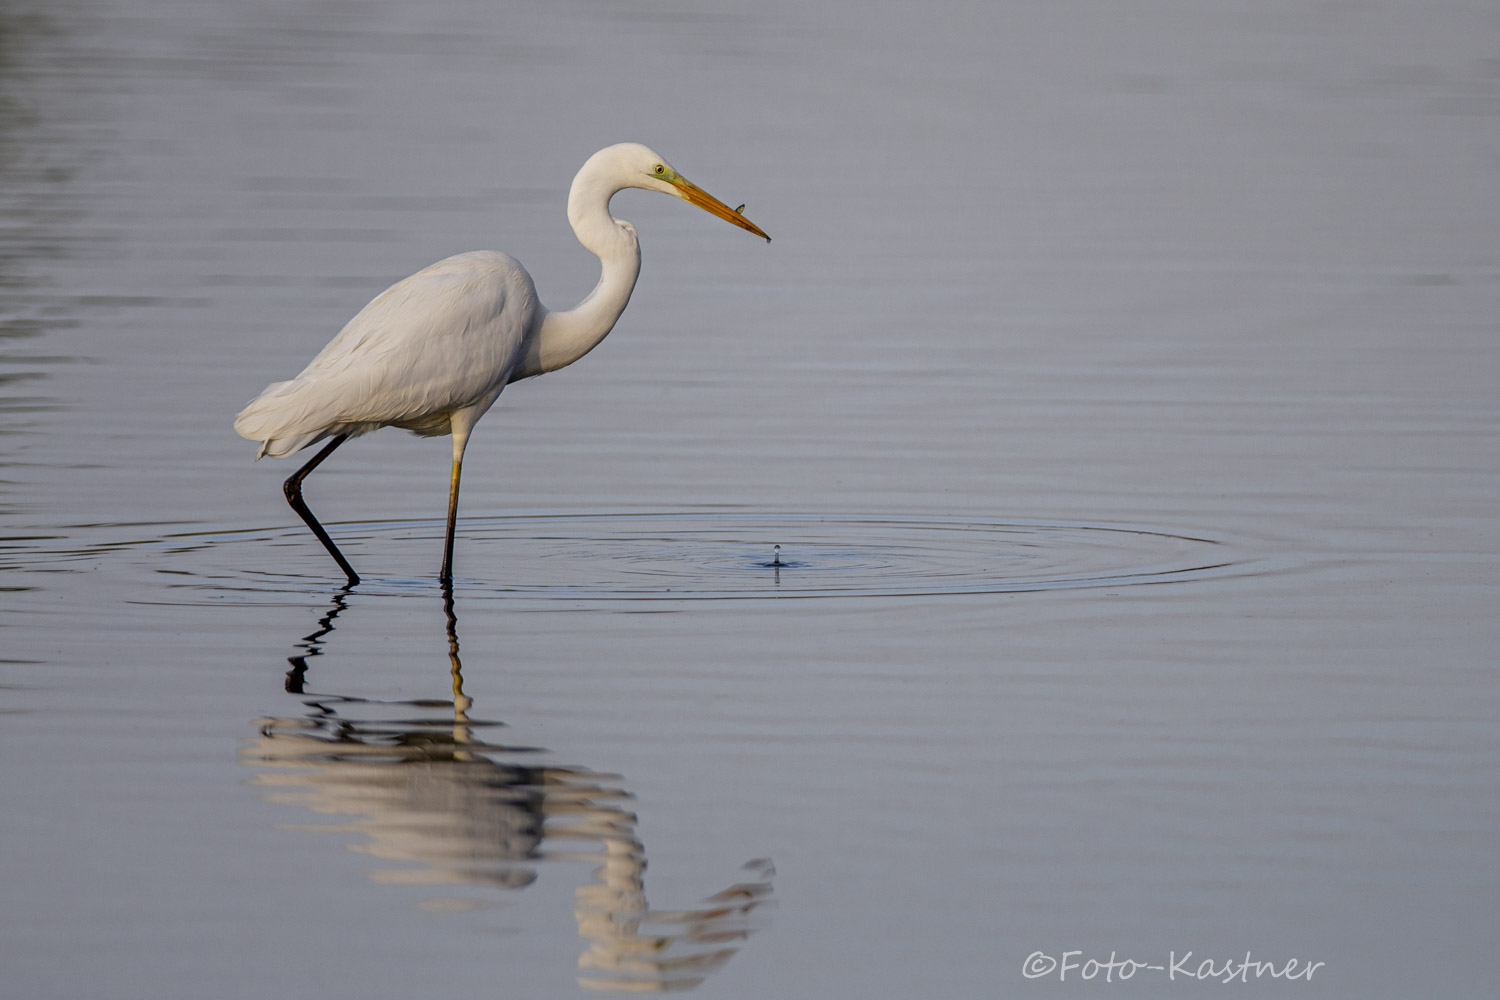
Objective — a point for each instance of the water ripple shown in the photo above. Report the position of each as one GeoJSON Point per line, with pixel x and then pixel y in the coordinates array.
{"type": "Point", "coordinates": [690, 555]}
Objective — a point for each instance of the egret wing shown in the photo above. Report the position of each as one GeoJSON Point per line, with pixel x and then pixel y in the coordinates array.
{"type": "Point", "coordinates": [444, 338]}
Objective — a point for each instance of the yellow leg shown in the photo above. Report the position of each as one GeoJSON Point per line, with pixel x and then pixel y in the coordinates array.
{"type": "Point", "coordinates": [446, 576]}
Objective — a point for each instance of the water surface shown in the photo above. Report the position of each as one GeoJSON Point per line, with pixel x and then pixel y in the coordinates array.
{"type": "Point", "coordinates": [1119, 389]}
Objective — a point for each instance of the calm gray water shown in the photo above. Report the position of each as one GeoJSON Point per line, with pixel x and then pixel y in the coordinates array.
{"type": "Point", "coordinates": [1120, 388]}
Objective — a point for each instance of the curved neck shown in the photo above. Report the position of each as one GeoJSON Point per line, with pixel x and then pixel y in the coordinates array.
{"type": "Point", "coordinates": [566, 336]}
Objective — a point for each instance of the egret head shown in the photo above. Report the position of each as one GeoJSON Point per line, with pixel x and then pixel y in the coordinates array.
{"type": "Point", "coordinates": [642, 167]}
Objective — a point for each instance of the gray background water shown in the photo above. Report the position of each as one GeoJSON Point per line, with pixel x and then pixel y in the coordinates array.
{"type": "Point", "coordinates": [1220, 272]}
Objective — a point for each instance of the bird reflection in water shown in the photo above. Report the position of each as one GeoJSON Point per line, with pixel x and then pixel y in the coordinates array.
{"type": "Point", "coordinates": [429, 790]}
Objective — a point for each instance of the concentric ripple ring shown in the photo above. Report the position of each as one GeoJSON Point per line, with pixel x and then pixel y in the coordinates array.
{"type": "Point", "coordinates": [695, 555]}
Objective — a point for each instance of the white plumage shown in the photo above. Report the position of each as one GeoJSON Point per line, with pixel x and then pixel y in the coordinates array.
{"type": "Point", "coordinates": [445, 338]}
{"type": "Point", "coordinates": [432, 353]}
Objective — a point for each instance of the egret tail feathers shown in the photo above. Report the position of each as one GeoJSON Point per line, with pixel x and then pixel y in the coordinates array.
{"type": "Point", "coordinates": [282, 422]}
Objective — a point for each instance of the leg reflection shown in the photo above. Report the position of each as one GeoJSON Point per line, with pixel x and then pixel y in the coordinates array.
{"type": "Point", "coordinates": [425, 785]}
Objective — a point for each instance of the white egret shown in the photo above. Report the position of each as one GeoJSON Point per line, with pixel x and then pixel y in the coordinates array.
{"type": "Point", "coordinates": [432, 353]}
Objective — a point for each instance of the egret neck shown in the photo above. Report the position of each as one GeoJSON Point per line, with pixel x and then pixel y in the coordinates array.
{"type": "Point", "coordinates": [565, 336]}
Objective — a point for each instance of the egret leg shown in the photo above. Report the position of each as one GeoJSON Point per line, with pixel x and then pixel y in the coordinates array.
{"type": "Point", "coordinates": [293, 490]}
{"type": "Point", "coordinates": [446, 576]}
{"type": "Point", "coordinates": [462, 424]}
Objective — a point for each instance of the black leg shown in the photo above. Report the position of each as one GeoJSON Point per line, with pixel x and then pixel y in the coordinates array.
{"type": "Point", "coordinates": [293, 490]}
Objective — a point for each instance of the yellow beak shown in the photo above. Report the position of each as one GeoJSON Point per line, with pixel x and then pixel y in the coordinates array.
{"type": "Point", "coordinates": [695, 194]}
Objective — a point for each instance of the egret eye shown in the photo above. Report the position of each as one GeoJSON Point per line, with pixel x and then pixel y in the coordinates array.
{"type": "Point", "coordinates": [660, 170]}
